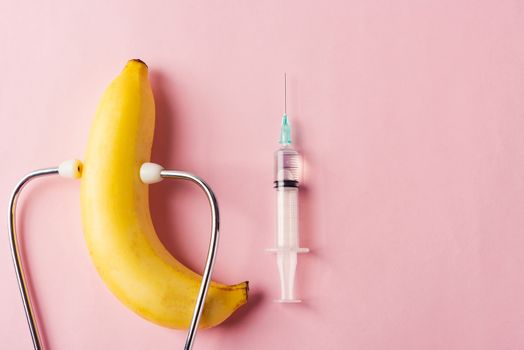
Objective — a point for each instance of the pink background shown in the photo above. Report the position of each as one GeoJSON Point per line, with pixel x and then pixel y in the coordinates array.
{"type": "Point", "coordinates": [410, 116]}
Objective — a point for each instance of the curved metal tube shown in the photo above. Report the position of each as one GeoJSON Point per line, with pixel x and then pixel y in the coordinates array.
{"type": "Point", "coordinates": [15, 252]}
{"type": "Point", "coordinates": [169, 174]}
{"type": "Point", "coordinates": [211, 253]}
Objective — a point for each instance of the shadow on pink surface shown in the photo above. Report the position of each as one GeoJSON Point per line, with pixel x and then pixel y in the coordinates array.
{"type": "Point", "coordinates": [166, 196]}
{"type": "Point", "coordinates": [167, 140]}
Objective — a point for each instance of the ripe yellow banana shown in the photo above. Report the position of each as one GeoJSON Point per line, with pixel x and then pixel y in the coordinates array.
{"type": "Point", "coordinates": [115, 212]}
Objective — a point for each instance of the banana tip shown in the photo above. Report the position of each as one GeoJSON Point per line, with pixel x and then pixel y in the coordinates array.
{"type": "Point", "coordinates": [138, 60]}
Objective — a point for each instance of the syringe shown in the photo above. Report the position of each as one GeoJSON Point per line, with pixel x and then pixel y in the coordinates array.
{"type": "Point", "coordinates": [287, 176]}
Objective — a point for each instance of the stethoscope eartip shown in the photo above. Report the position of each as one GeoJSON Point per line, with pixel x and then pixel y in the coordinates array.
{"type": "Point", "coordinates": [70, 168]}
{"type": "Point", "coordinates": [150, 173]}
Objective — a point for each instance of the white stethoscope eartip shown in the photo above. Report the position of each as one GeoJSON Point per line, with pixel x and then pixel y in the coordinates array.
{"type": "Point", "coordinates": [150, 173]}
{"type": "Point", "coordinates": [70, 168]}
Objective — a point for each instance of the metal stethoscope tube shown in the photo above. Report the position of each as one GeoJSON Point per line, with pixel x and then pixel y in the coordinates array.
{"type": "Point", "coordinates": [168, 174]}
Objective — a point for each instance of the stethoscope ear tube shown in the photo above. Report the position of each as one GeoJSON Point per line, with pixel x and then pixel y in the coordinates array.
{"type": "Point", "coordinates": [149, 173]}
{"type": "Point", "coordinates": [15, 252]}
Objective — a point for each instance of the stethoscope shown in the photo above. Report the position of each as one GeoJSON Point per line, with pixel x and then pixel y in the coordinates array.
{"type": "Point", "coordinates": [149, 173]}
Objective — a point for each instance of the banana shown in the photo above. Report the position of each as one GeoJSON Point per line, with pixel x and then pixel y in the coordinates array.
{"type": "Point", "coordinates": [117, 224]}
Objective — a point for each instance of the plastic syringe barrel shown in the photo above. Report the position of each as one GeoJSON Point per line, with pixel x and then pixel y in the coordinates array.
{"type": "Point", "coordinates": [287, 170]}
